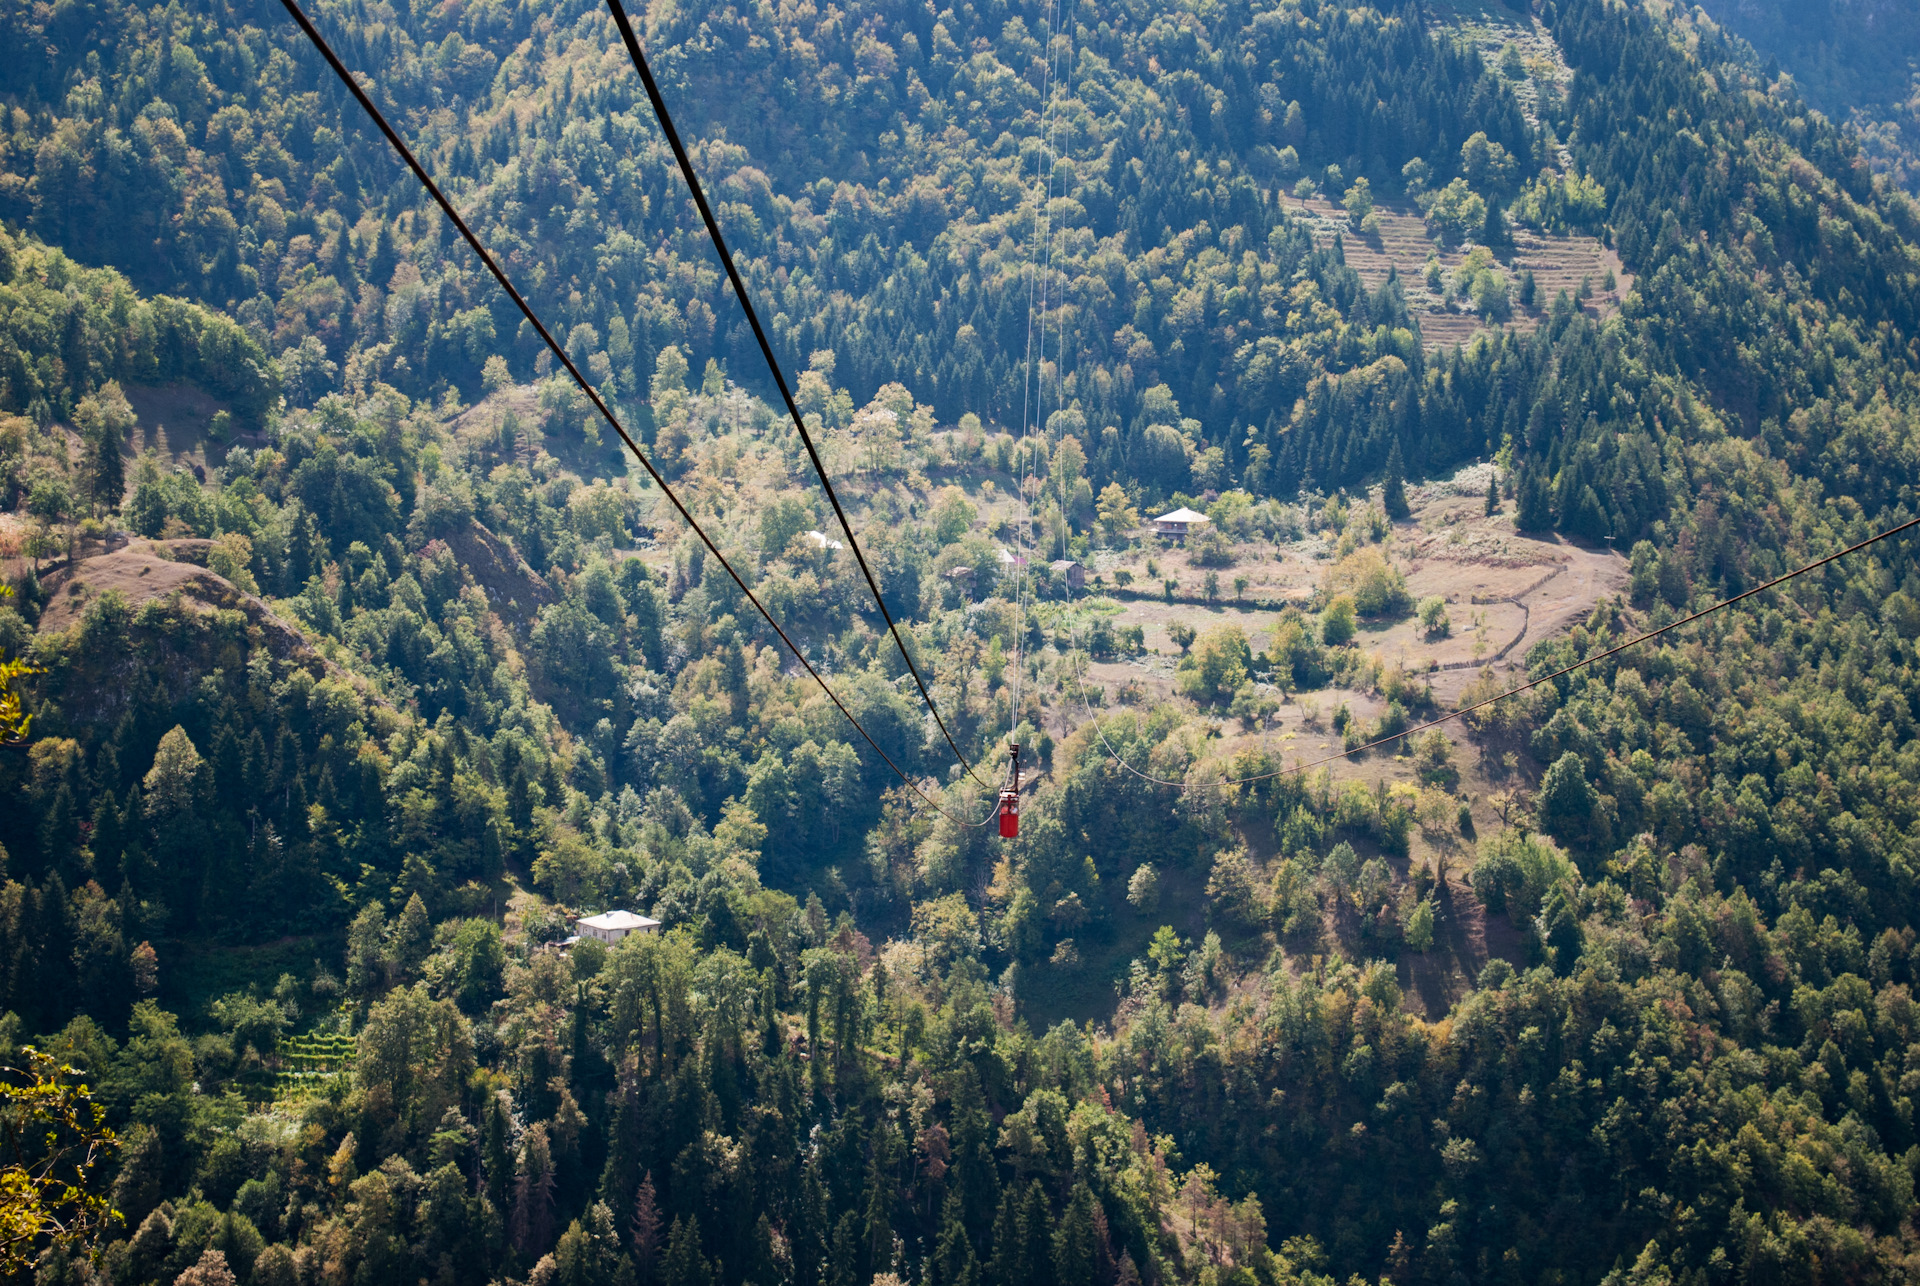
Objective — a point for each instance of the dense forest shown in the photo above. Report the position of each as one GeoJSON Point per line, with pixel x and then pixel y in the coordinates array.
{"type": "Point", "coordinates": [350, 689]}
{"type": "Point", "coordinates": [1856, 60]}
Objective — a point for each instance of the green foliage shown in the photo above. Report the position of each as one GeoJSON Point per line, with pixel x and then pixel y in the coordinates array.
{"type": "Point", "coordinates": [1514, 871]}
{"type": "Point", "coordinates": [1338, 622]}
{"type": "Point", "coordinates": [509, 659]}
{"type": "Point", "coordinates": [1455, 210]}
{"type": "Point", "coordinates": [56, 1141]}
{"type": "Point", "coordinates": [1394, 494]}
{"type": "Point", "coordinates": [56, 356]}
{"type": "Point", "coordinates": [1218, 666]}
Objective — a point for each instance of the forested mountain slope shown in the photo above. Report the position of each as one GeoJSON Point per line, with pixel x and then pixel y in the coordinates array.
{"type": "Point", "coordinates": [293, 907]}
{"type": "Point", "coordinates": [1856, 60]}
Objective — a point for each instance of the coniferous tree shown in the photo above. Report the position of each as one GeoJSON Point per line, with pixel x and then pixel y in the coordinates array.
{"type": "Point", "coordinates": [1394, 494]}
{"type": "Point", "coordinates": [645, 1230]}
{"type": "Point", "coordinates": [952, 1262]}
{"type": "Point", "coordinates": [1074, 1242]}
{"type": "Point", "coordinates": [684, 1264]}
{"type": "Point", "coordinates": [496, 1161]}
{"type": "Point", "coordinates": [1534, 511]}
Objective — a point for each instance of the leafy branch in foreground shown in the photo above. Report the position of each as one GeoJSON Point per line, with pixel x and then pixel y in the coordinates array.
{"type": "Point", "coordinates": [55, 1138]}
{"type": "Point", "coordinates": [16, 725]}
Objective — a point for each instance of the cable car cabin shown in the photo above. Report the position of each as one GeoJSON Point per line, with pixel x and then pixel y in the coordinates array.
{"type": "Point", "coordinates": [1009, 814]}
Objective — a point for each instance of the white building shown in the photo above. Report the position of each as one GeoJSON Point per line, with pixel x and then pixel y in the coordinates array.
{"type": "Point", "coordinates": [1178, 523]}
{"type": "Point", "coordinates": [611, 926]}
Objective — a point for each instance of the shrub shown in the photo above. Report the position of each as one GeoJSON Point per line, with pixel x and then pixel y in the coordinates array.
{"type": "Point", "coordinates": [1514, 872]}
{"type": "Point", "coordinates": [1375, 585]}
{"type": "Point", "coordinates": [1211, 548]}
{"type": "Point", "coordinates": [1218, 666]}
{"type": "Point", "coordinates": [1419, 928]}
{"type": "Point", "coordinates": [1143, 888]}
{"type": "Point", "coordinates": [1337, 623]}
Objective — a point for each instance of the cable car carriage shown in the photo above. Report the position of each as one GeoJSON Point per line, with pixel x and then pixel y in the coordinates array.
{"type": "Point", "coordinates": [1010, 797]}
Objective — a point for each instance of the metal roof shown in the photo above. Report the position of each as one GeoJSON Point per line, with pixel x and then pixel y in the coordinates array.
{"type": "Point", "coordinates": [618, 920]}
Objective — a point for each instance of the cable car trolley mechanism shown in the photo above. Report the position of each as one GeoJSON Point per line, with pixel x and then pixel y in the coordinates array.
{"type": "Point", "coordinates": [1010, 797]}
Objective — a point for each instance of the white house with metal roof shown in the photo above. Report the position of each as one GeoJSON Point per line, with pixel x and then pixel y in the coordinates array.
{"type": "Point", "coordinates": [611, 926]}
{"type": "Point", "coordinates": [1179, 523]}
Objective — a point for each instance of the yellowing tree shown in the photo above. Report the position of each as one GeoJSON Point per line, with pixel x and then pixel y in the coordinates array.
{"type": "Point", "coordinates": [55, 1141]}
{"type": "Point", "coordinates": [1217, 665]}
{"type": "Point", "coordinates": [1117, 514]}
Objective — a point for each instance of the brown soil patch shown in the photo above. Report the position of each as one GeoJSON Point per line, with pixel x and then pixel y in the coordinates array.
{"type": "Point", "coordinates": [173, 419]}
{"type": "Point", "coordinates": [141, 574]}
{"type": "Point", "coordinates": [480, 423]}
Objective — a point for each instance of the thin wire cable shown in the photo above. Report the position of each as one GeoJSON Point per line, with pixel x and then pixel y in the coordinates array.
{"type": "Point", "coordinates": [1045, 293]}
{"type": "Point", "coordinates": [526, 310]}
{"type": "Point", "coordinates": [1033, 389]}
{"type": "Point", "coordinates": [1502, 696]}
{"type": "Point", "coordinates": [1026, 411]}
{"type": "Point", "coordinates": [665, 118]}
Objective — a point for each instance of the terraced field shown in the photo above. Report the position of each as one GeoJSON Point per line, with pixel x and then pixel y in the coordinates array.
{"type": "Point", "coordinates": [1557, 263]}
{"type": "Point", "coordinates": [1490, 27]}
{"type": "Point", "coordinates": [311, 1063]}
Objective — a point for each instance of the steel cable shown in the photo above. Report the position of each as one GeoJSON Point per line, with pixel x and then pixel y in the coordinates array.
{"type": "Point", "coordinates": [665, 118]}
{"type": "Point", "coordinates": [406, 154]}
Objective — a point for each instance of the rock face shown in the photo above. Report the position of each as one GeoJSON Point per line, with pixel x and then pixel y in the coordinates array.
{"type": "Point", "coordinates": [514, 589]}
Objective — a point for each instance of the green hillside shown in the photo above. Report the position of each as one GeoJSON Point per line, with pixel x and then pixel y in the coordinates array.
{"type": "Point", "coordinates": [1856, 60]}
{"type": "Point", "coordinates": [364, 660]}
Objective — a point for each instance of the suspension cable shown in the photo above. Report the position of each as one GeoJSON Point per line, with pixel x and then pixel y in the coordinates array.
{"type": "Point", "coordinates": [1031, 393]}
{"type": "Point", "coordinates": [346, 78]}
{"type": "Point", "coordinates": [1451, 715]}
{"type": "Point", "coordinates": [665, 118]}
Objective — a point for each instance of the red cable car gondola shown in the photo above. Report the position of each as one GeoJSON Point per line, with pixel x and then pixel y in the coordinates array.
{"type": "Point", "coordinates": [1010, 797]}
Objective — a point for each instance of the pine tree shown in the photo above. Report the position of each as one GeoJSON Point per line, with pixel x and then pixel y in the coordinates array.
{"type": "Point", "coordinates": [1074, 1243]}
{"type": "Point", "coordinates": [1493, 231]}
{"type": "Point", "coordinates": [880, 1195]}
{"type": "Point", "coordinates": [385, 257]}
{"type": "Point", "coordinates": [953, 1262]}
{"type": "Point", "coordinates": [1535, 510]}
{"type": "Point", "coordinates": [105, 418]}
{"type": "Point", "coordinates": [1004, 1262]}
{"type": "Point", "coordinates": [739, 697]}
{"type": "Point", "coordinates": [684, 1264]}
{"type": "Point", "coordinates": [495, 1158]}
{"type": "Point", "coordinates": [1493, 493]}
{"type": "Point", "coordinates": [1395, 493]}
{"type": "Point", "coordinates": [412, 937]}
{"type": "Point", "coordinates": [646, 1229]}
{"type": "Point", "coordinates": [1036, 1235]}
{"type": "Point", "coordinates": [106, 471]}
{"type": "Point", "coordinates": [532, 1221]}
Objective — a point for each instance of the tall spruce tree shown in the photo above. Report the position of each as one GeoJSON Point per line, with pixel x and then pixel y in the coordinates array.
{"type": "Point", "coordinates": [1394, 494]}
{"type": "Point", "coordinates": [1534, 511]}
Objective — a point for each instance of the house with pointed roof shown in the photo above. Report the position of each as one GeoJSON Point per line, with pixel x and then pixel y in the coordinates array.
{"type": "Point", "coordinates": [1179, 523]}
